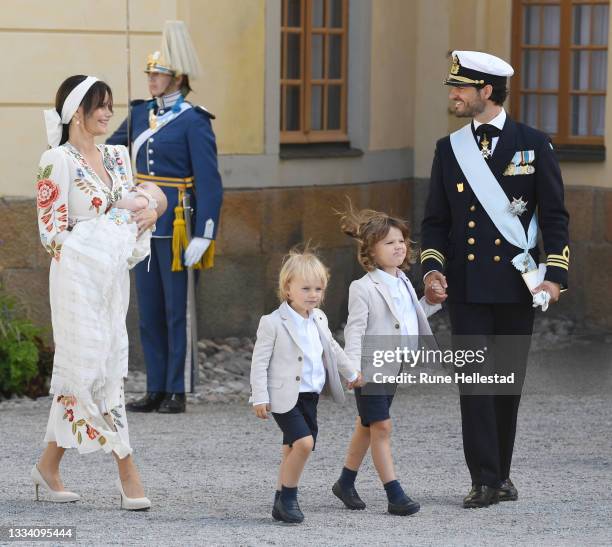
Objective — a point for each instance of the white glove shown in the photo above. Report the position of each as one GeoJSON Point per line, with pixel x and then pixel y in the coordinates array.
{"type": "Point", "coordinates": [195, 250]}
{"type": "Point", "coordinates": [541, 298]}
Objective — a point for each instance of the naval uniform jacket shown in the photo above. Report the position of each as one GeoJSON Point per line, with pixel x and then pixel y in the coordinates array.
{"type": "Point", "coordinates": [460, 239]}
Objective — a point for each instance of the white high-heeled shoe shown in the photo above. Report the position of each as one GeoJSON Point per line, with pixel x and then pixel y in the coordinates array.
{"type": "Point", "coordinates": [132, 504]}
{"type": "Point", "coordinates": [56, 496]}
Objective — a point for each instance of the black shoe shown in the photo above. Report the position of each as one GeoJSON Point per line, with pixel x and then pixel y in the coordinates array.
{"type": "Point", "coordinates": [275, 513]}
{"type": "Point", "coordinates": [174, 403]}
{"type": "Point", "coordinates": [480, 496]}
{"type": "Point", "coordinates": [507, 491]}
{"type": "Point", "coordinates": [348, 496]}
{"type": "Point", "coordinates": [148, 403]}
{"type": "Point", "coordinates": [289, 511]}
{"type": "Point", "coordinates": [406, 507]}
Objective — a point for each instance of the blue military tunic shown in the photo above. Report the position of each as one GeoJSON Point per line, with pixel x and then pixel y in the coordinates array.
{"type": "Point", "coordinates": [179, 156]}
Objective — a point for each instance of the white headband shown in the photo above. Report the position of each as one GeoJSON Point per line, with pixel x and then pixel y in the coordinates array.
{"type": "Point", "coordinates": [71, 105]}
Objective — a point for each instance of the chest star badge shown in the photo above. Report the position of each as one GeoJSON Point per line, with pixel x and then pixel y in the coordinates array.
{"type": "Point", "coordinates": [518, 206]}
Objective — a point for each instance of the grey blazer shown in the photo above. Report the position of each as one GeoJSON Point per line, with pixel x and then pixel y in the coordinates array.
{"type": "Point", "coordinates": [371, 312]}
{"type": "Point", "coordinates": [276, 367]}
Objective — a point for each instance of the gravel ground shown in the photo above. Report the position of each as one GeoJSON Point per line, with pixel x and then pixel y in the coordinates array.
{"type": "Point", "coordinates": [211, 472]}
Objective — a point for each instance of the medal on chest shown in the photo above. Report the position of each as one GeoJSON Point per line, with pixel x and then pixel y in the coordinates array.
{"type": "Point", "coordinates": [485, 150]}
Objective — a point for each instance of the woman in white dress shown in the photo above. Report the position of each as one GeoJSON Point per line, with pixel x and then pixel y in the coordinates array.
{"type": "Point", "coordinates": [78, 182]}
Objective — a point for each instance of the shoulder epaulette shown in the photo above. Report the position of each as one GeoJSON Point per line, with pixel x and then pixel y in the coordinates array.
{"type": "Point", "coordinates": [200, 108]}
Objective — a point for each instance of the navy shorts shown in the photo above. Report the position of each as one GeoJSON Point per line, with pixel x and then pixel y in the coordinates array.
{"type": "Point", "coordinates": [372, 408]}
{"type": "Point", "coordinates": [301, 420]}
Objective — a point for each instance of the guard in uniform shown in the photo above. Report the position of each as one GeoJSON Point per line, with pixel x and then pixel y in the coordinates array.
{"type": "Point", "coordinates": [173, 145]}
{"type": "Point", "coordinates": [495, 184]}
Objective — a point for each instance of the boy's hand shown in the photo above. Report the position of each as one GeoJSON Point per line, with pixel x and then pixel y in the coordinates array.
{"type": "Point", "coordinates": [357, 382]}
{"type": "Point", "coordinates": [261, 411]}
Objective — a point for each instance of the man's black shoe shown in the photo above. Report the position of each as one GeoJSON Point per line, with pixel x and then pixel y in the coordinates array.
{"type": "Point", "coordinates": [289, 511]}
{"type": "Point", "coordinates": [507, 491]}
{"type": "Point", "coordinates": [480, 496]}
{"type": "Point", "coordinates": [174, 403]}
{"type": "Point", "coordinates": [148, 403]}
{"type": "Point", "coordinates": [348, 496]}
{"type": "Point", "coordinates": [406, 507]}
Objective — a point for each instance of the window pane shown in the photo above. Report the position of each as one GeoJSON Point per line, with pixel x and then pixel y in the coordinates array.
{"type": "Point", "coordinates": [600, 25]}
{"type": "Point", "coordinates": [550, 70]}
{"type": "Point", "coordinates": [316, 107]}
{"type": "Point", "coordinates": [580, 70]}
{"type": "Point", "coordinates": [552, 25]}
{"type": "Point", "coordinates": [293, 56]}
{"type": "Point", "coordinates": [582, 25]}
{"type": "Point", "coordinates": [531, 62]}
{"type": "Point", "coordinates": [317, 13]}
{"type": "Point", "coordinates": [599, 70]}
{"type": "Point", "coordinates": [294, 13]}
{"type": "Point", "coordinates": [292, 108]}
{"type": "Point", "coordinates": [317, 56]}
{"type": "Point", "coordinates": [548, 113]}
{"type": "Point", "coordinates": [335, 56]}
{"type": "Point", "coordinates": [334, 13]}
{"type": "Point", "coordinates": [529, 109]}
{"type": "Point", "coordinates": [333, 106]}
{"type": "Point", "coordinates": [531, 25]}
{"type": "Point", "coordinates": [579, 115]}
{"type": "Point", "coordinates": [598, 112]}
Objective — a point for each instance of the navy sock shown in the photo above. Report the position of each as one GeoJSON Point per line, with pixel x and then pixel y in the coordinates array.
{"type": "Point", "coordinates": [347, 477]}
{"type": "Point", "coordinates": [276, 495]}
{"type": "Point", "coordinates": [288, 494]}
{"type": "Point", "coordinates": [395, 492]}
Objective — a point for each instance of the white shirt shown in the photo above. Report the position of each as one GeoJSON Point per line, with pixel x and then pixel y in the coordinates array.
{"type": "Point", "coordinates": [498, 122]}
{"type": "Point", "coordinates": [409, 323]}
{"type": "Point", "coordinates": [313, 370]}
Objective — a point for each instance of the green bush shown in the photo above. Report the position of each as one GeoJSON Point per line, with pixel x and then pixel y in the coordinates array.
{"type": "Point", "coordinates": [22, 372]}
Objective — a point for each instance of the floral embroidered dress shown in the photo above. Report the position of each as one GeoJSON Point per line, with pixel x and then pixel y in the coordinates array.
{"type": "Point", "coordinates": [89, 294]}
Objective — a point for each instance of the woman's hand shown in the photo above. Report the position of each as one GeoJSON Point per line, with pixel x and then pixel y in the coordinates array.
{"type": "Point", "coordinates": [261, 411]}
{"type": "Point", "coordinates": [144, 219]}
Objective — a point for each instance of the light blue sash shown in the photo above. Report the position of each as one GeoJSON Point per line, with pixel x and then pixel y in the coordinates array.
{"type": "Point", "coordinates": [493, 198]}
{"type": "Point", "coordinates": [162, 121]}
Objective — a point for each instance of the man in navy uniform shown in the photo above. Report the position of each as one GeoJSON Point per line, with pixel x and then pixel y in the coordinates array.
{"type": "Point", "coordinates": [492, 184]}
{"type": "Point", "coordinates": [173, 145]}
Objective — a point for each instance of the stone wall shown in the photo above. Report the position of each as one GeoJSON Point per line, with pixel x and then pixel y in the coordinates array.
{"type": "Point", "coordinates": [259, 226]}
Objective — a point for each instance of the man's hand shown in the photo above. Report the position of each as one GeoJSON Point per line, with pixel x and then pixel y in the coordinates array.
{"type": "Point", "coordinates": [435, 288]}
{"type": "Point", "coordinates": [554, 289]}
{"type": "Point", "coordinates": [261, 411]}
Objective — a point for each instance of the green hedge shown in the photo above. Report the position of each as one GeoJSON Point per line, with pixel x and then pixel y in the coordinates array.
{"type": "Point", "coordinates": [25, 361]}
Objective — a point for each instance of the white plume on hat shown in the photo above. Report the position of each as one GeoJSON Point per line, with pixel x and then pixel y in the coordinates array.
{"type": "Point", "coordinates": [178, 49]}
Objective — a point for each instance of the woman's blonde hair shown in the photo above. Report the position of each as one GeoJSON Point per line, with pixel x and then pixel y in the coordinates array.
{"type": "Point", "coordinates": [302, 262]}
{"type": "Point", "coordinates": [368, 227]}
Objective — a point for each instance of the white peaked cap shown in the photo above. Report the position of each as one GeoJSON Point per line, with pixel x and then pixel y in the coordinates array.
{"type": "Point", "coordinates": [178, 49]}
{"type": "Point", "coordinates": [484, 62]}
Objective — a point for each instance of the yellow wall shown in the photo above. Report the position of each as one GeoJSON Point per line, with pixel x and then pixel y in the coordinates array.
{"type": "Point", "coordinates": [392, 74]}
{"type": "Point", "coordinates": [230, 38]}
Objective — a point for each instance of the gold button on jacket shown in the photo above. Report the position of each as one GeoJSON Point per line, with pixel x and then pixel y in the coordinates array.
{"type": "Point", "coordinates": [471, 257]}
{"type": "Point", "coordinates": [471, 241]}
{"type": "Point", "coordinates": [471, 224]}
{"type": "Point", "coordinates": [496, 258]}
{"type": "Point", "coordinates": [498, 242]}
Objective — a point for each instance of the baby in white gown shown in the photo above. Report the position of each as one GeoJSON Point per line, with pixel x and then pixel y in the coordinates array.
{"type": "Point", "coordinates": [144, 196]}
